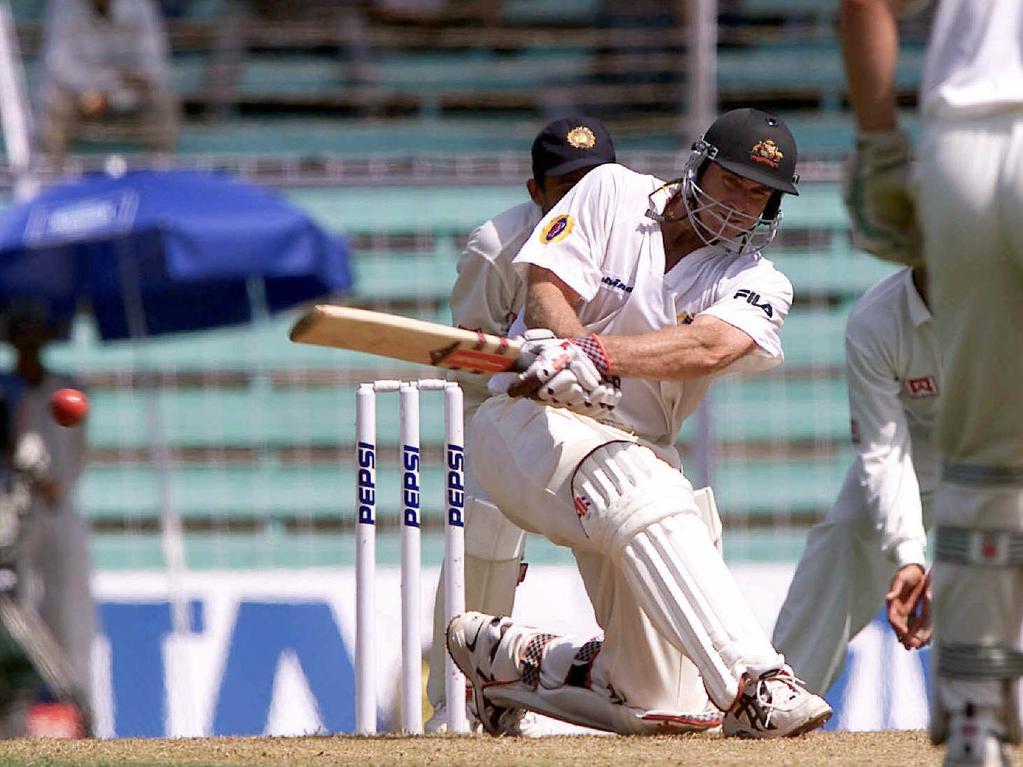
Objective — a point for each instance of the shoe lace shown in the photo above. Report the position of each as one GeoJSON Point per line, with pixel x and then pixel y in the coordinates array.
{"type": "Point", "coordinates": [767, 700]}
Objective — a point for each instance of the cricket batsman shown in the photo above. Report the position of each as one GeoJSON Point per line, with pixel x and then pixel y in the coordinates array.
{"type": "Point", "coordinates": [663, 287]}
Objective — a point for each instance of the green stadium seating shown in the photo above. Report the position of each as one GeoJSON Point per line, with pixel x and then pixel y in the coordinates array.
{"type": "Point", "coordinates": [260, 430]}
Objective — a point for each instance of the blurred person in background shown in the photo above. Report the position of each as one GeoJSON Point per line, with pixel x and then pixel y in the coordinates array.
{"type": "Point", "coordinates": [105, 62]}
{"type": "Point", "coordinates": [870, 547]}
{"type": "Point", "coordinates": [54, 567]}
{"type": "Point", "coordinates": [488, 295]}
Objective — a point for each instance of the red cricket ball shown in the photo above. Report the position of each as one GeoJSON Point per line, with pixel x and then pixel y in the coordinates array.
{"type": "Point", "coordinates": [69, 406]}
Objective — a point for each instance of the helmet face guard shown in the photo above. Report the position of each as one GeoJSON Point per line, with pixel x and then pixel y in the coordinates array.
{"type": "Point", "coordinates": [717, 223]}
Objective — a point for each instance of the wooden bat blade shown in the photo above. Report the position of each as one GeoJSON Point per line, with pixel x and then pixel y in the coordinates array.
{"type": "Point", "coordinates": [402, 338]}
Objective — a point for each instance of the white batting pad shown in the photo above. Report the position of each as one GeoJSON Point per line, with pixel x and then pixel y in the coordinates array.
{"type": "Point", "coordinates": [642, 513]}
{"type": "Point", "coordinates": [682, 583]}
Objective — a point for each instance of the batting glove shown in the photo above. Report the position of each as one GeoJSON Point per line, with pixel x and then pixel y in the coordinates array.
{"type": "Point", "coordinates": [875, 188]}
{"type": "Point", "coordinates": [567, 372]}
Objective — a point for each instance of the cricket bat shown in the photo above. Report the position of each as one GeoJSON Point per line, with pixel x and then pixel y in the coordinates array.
{"type": "Point", "coordinates": [402, 338]}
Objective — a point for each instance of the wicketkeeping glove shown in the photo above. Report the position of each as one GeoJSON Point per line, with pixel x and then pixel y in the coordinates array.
{"type": "Point", "coordinates": [875, 188]}
{"type": "Point", "coordinates": [567, 372]}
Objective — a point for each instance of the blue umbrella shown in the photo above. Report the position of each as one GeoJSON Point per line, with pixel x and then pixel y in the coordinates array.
{"type": "Point", "coordinates": [153, 252]}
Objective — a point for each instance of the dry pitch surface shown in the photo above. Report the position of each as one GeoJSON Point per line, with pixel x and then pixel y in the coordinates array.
{"type": "Point", "coordinates": [898, 749]}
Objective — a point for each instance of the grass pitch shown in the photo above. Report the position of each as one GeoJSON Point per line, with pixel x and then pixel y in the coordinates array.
{"type": "Point", "coordinates": [898, 749]}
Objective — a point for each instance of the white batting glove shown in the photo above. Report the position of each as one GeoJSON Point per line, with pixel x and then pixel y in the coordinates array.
{"type": "Point", "coordinates": [567, 372]}
{"type": "Point", "coordinates": [875, 188]}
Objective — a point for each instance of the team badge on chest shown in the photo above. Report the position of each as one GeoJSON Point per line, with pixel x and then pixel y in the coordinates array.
{"type": "Point", "coordinates": [557, 229]}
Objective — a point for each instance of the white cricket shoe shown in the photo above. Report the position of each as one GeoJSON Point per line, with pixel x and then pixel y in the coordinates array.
{"type": "Point", "coordinates": [520, 723]}
{"type": "Point", "coordinates": [516, 722]}
{"type": "Point", "coordinates": [472, 640]}
{"type": "Point", "coordinates": [775, 705]}
{"type": "Point", "coordinates": [974, 740]}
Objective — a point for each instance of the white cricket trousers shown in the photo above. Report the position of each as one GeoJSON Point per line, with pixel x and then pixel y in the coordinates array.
{"type": "Point", "coordinates": [526, 456]}
{"type": "Point", "coordinates": [839, 586]}
{"type": "Point", "coordinates": [969, 187]}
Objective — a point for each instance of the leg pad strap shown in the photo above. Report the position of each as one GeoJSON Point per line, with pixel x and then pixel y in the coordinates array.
{"type": "Point", "coordinates": [985, 548]}
{"type": "Point", "coordinates": [965, 661]}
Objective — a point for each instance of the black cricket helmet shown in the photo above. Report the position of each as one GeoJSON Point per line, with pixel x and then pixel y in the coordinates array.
{"type": "Point", "coordinates": [757, 146]}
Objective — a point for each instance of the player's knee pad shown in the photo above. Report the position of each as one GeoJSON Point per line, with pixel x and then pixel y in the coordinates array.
{"type": "Point", "coordinates": [489, 534]}
{"type": "Point", "coordinates": [621, 488]}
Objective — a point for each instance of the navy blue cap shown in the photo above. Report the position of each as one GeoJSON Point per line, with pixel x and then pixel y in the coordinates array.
{"type": "Point", "coordinates": [570, 143]}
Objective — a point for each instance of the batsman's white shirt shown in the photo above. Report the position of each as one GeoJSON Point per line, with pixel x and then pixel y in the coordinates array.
{"type": "Point", "coordinates": [489, 292]}
{"type": "Point", "coordinates": [600, 241]}
{"type": "Point", "coordinates": [877, 523]}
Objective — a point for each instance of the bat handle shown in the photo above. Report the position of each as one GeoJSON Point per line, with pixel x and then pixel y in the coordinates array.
{"type": "Point", "coordinates": [524, 360]}
{"type": "Point", "coordinates": [529, 385]}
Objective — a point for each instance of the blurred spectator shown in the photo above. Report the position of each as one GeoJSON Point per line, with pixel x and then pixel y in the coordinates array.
{"type": "Point", "coordinates": [105, 62]}
{"type": "Point", "coordinates": [54, 567]}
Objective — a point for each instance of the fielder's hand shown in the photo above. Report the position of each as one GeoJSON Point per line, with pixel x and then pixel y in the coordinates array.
{"type": "Point", "coordinates": [876, 194]}
{"type": "Point", "coordinates": [909, 606]}
{"type": "Point", "coordinates": [567, 372]}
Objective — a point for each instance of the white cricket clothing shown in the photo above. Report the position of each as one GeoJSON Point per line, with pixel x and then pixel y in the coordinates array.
{"type": "Point", "coordinates": [599, 240]}
{"type": "Point", "coordinates": [54, 563]}
{"type": "Point", "coordinates": [877, 523]}
{"type": "Point", "coordinates": [893, 371]}
{"type": "Point", "coordinates": [974, 63]}
{"type": "Point", "coordinates": [526, 455]}
{"type": "Point", "coordinates": [969, 195]}
{"type": "Point", "coordinates": [489, 293]}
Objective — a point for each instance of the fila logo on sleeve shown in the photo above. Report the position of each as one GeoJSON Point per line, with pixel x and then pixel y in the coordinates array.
{"type": "Point", "coordinates": [924, 386]}
{"type": "Point", "coordinates": [753, 298]}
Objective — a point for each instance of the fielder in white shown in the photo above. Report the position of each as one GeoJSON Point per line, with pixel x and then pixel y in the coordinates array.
{"type": "Point", "coordinates": [870, 546]}
{"type": "Point", "coordinates": [967, 188]}
{"type": "Point", "coordinates": [54, 564]}
{"type": "Point", "coordinates": [663, 285]}
{"type": "Point", "coordinates": [487, 295]}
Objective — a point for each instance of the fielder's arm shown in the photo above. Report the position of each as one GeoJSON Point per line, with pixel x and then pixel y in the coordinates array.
{"type": "Point", "coordinates": [884, 450]}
